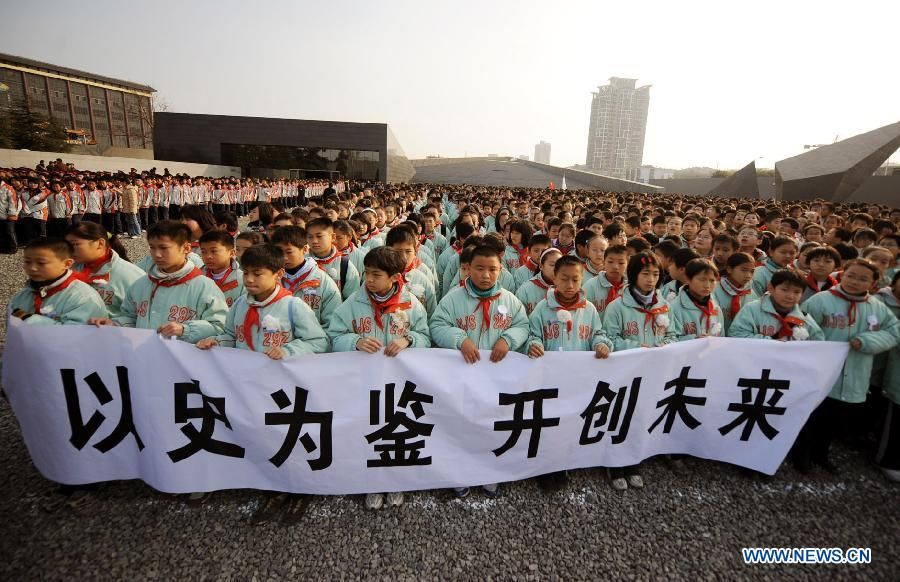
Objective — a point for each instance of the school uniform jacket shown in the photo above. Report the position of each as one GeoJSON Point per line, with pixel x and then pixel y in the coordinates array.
{"type": "Point", "coordinates": [68, 301]}
{"type": "Point", "coordinates": [628, 327]}
{"type": "Point", "coordinates": [355, 319]}
{"type": "Point", "coordinates": [758, 319]}
{"type": "Point", "coordinates": [533, 291]}
{"type": "Point", "coordinates": [762, 275]}
{"type": "Point", "coordinates": [195, 302]}
{"type": "Point", "coordinates": [316, 288]}
{"type": "Point", "coordinates": [601, 292]}
{"type": "Point", "coordinates": [725, 294]}
{"type": "Point", "coordinates": [287, 322]}
{"type": "Point", "coordinates": [871, 321]}
{"type": "Point", "coordinates": [231, 284]}
{"type": "Point", "coordinates": [10, 204]}
{"type": "Point", "coordinates": [890, 364]}
{"type": "Point", "coordinates": [559, 329]}
{"type": "Point", "coordinates": [689, 322]}
{"type": "Point", "coordinates": [332, 266]}
{"type": "Point", "coordinates": [460, 315]}
{"type": "Point", "coordinates": [111, 280]}
{"type": "Point", "coordinates": [147, 262]}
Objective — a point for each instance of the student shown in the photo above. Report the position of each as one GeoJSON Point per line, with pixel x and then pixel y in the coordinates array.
{"type": "Point", "coordinates": [609, 284]}
{"type": "Point", "coordinates": [174, 297]}
{"type": "Point", "coordinates": [303, 277]}
{"type": "Point", "coordinates": [777, 315]}
{"type": "Point", "coordinates": [463, 231]}
{"type": "Point", "coordinates": [320, 235]}
{"type": "Point", "coordinates": [32, 222]}
{"type": "Point", "coordinates": [883, 259]}
{"type": "Point", "coordinates": [595, 257]}
{"type": "Point", "coordinates": [782, 251]}
{"type": "Point", "coordinates": [381, 316]}
{"type": "Point", "coordinates": [402, 239]}
{"type": "Point", "coordinates": [733, 290]}
{"type": "Point", "coordinates": [822, 261]}
{"type": "Point", "coordinates": [749, 240]}
{"type": "Point", "coordinates": [724, 245]}
{"type": "Point", "coordinates": [219, 264]}
{"type": "Point", "coordinates": [54, 294]}
{"type": "Point", "coordinates": [565, 321]}
{"type": "Point", "coordinates": [888, 455]}
{"type": "Point", "coordinates": [10, 207]}
{"type": "Point", "coordinates": [801, 263]}
{"type": "Point", "coordinates": [245, 240]}
{"type": "Point", "coordinates": [59, 208]}
{"type": "Point", "coordinates": [480, 315]}
{"type": "Point", "coordinates": [532, 266]}
{"type": "Point", "coordinates": [695, 313]}
{"type": "Point", "coordinates": [665, 252]}
{"type": "Point", "coordinates": [677, 264]}
{"type": "Point", "coordinates": [516, 251]}
{"type": "Point", "coordinates": [565, 240]}
{"type": "Point", "coordinates": [846, 313]}
{"type": "Point", "coordinates": [535, 289]}
{"type": "Point", "coordinates": [638, 319]}
{"type": "Point", "coordinates": [581, 242]}
{"type": "Point", "coordinates": [345, 241]}
{"type": "Point", "coordinates": [101, 261]}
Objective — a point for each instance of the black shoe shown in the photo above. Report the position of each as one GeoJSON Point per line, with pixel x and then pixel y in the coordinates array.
{"type": "Point", "coordinates": [553, 482]}
{"type": "Point", "coordinates": [270, 507]}
{"type": "Point", "coordinates": [295, 508]}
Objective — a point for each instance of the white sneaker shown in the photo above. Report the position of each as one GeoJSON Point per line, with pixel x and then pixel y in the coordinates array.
{"type": "Point", "coordinates": [374, 501]}
{"type": "Point", "coordinates": [395, 499]}
{"type": "Point", "coordinates": [619, 484]}
{"type": "Point", "coordinates": [636, 481]}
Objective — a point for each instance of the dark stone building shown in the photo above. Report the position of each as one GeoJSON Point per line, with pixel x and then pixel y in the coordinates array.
{"type": "Point", "coordinates": [269, 147]}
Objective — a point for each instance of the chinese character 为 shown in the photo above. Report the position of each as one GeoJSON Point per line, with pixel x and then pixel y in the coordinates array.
{"type": "Point", "coordinates": [398, 449]}
{"type": "Point", "coordinates": [295, 419]}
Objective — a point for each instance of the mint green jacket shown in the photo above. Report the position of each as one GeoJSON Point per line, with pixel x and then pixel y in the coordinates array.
{"type": "Point", "coordinates": [758, 320]}
{"type": "Point", "coordinates": [458, 316]}
{"type": "Point", "coordinates": [531, 292]}
{"type": "Point", "coordinates": [723, 294]}
{"type": "Point", "coordinates": [888, 365]}
{"type": "Point", "coordinates": [74, 305]}
{"type": "Point", "coordinates": [598, 288]}
{"type": "Point", "coordinates": [762, 275]}
{"type": "Point", "coordinates": [548, 329]}
{"type": "Point", "coordinates": [629, 328]}
{"type": "Point", "coordinates": [112, 281]}
{"type": "Point", "coordinates": [288, 323]}
{"type": "Point", "coordinates": [875, 326]}
{"type": "Point", "coordinates": [688, 322]}
{"type": "Point", "coordinates": [355, 319]}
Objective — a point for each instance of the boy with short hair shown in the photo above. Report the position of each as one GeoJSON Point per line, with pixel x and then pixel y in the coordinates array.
{"type": "Point", "coordinates": [54, 294]}
{"type": "Point", "coordinates": [480, 315]}
{"type": "Point", "coordinates": [320, 236]}
{"type": "Point", "coordinates": [608, 285]}
{"type": "Point", "coordinates": [220, 265]}
{"type": "Point", "coordinates": [402, 239]}
{"type": "Point", "coordinates": [303, 277]}
{"type": "Point", "coordinates": [174, 298]}
{"type": "Point", "coordinates": [823, 262]}
{"type": "Point", "coordinates": [777, 315]}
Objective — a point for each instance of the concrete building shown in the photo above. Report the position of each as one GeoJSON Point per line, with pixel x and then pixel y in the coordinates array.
{"type": "Point", "coordinates": [542, 153]}
{"type": "Point", "coordinates": [617, 127]}
{"type": "Point", "coordinates": [102, 115]}
{"type": "Point", "coordinates": [647, 174]}
{"type": "Point", "coordinates": [269, 147]}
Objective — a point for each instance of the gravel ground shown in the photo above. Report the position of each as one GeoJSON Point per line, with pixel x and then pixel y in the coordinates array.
{"type": "Point", "coordinates": [679, 526]}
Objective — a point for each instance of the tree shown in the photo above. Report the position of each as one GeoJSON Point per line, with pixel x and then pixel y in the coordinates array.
{"type": "Point", "coordinates": [31, 131]}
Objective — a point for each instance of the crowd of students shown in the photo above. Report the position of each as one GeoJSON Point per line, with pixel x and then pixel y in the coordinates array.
{"type": "Point", "coordinates": [383, 269]}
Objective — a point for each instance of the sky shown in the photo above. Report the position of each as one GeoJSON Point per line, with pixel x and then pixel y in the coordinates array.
{"type": "Point", "coordinates": [731, 82]}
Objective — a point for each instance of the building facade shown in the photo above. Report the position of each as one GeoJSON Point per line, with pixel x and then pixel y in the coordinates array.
{"type": "Point", "coordinates": [269, 147]}
{"type": "Point", "coordinates": [102, 115]}
{"type": "Point", "coordinates": [542, 153]}
{"type": "Point", "coordinates": [617, 128]}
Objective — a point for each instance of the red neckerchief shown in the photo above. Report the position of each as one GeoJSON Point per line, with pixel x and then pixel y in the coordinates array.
{"type": "Point", "coordinates": [485, 305]}
{"type": "Point", "coordinates": [414, 264]}
{"type": "Point", "coordinates": [389, 305]}
{"type": "Point", "coordinates": [329, 259]}
{"type": "Point", "coordinates": [86, 273]}
{"type": "Point", "coordinates": [424, 237]}
{"type": "Point", "coordinates": [707, 310]}
{"type": "Point", "coordinates": [299, 283]}
{"type": "Point", "coordinates": [539, 281]}
{"type": "Point", "coordinates": [349, 249]}
{"type": "Point", "coordinates": [221, 281]}
{"type": "Point", "coordinates": [523, 253]}
{"type": "Point", "coordinates": [814, 285]}
{"type": "Point", "coordinates": [650, 314]}
{"type": "Point", "coordinates": [457, 246]}
{"type": "Point", "coordinates": [373, 234]}
{"type": "Point", "coordinates": [564, 249]}
{"type": "Point", "coordinates": [157, 283]}
{"type": "Point", "coordinates": [758, 257]}
{"type": "Point", "coordinates": [532, 266]}
{"type": "Point", "coordinates": [736, 298]}
{"type": "Point", "coordinates": [788, 323]}
{"type": "Point", "coordinates": [575, 305]}
{"type": "Point", "coordinates": [615, 290]}
{"type": "Point", "coordinates": [41, 294]}
{"type": "Point", "coordinates": [251, 318]}
{"type": "Point", "coordinates": [851, 310]}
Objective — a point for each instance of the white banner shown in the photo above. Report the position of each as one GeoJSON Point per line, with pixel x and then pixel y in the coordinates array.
{"type": "Point", "coordinates": [106, 404]}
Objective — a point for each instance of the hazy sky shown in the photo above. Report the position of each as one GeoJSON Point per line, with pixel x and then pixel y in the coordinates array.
{"type": "Point", "coordinates": [731, 82]}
